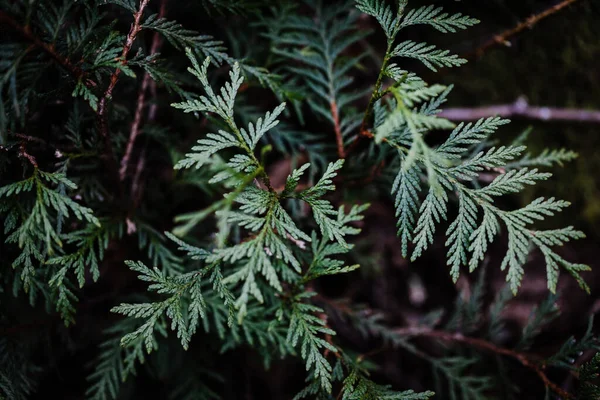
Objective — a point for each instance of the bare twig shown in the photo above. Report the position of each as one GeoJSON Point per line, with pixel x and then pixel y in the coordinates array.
{"type": "Point", "coordinates": [525, 360]}
{"type": "Point", "coordinates": [503, 37]}
{"type": "Point", "coordinates": [137, 120]}
{"type": "Point", "coordinates": [136, 189]}
{"type": "Point", "coordinates": [135, 126]}
{"type": "Point", "coordinates": [102, 122]}
{"type": "Point", "coordinates": [521, 108]}
{"type": "Point", "coordinates": [25, 31]}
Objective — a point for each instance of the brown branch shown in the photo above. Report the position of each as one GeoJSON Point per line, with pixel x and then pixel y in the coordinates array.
{"type": "Point", "coordinates": [520, 108]}
{"type": "Point", "coordinates": [137, 121]}
{"type": "Point", "coordinates": [135, 125]}
{"type": "Point", "coordinates": [25, 31]}
{"type": "Point", "coordinates": [503, 37]}
{"type": "Point", "coordinates": [102, 122]}
{"type": "Point", "coordinates": [485, 345]}
{"type": "Point", "coordinates": [136, 187]}
{"type": "Point", "coordinates": [338, 129]}
{"type": "Point", "coordinates": [136, 27]}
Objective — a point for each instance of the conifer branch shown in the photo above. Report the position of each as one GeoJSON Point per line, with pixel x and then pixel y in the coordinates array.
{"type": "Point", "coordinates": [136, 27]}
{"type": "Point", "coordinates": [522, 358]}
{"type": "Point", "coordinates": [502, 38]}
{"type": "Point", "coordinates": [49, 49]}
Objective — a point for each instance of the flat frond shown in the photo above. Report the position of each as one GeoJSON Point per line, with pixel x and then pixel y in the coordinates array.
{"type": "Point", "coordinates": [433, 16]}
{"type": "Point", "coordinates": [429, 55]}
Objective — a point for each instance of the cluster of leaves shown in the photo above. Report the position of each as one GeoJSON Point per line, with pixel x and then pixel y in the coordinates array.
{"type": "Point", "coordinates": [270, 252]}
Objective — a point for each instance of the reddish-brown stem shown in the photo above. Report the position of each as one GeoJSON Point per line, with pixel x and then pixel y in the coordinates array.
{"type": "Point", "coordinates": [102, 122]}
{"type": "Point", "coordinates": [137, 120]}
{"type": "Point", "coordinates": [365, 133]}
{"type": "Point", "coordinates": [25, 31]}
{"type": "Point", "coordinates": [338, 129]}
{"type": "Point", "coordinates": [525, 360]}
{"type": "Point", "coordinates": [135, 126]}
{"type": "Point", "coordinates": [503, 37]}
{"type": "Point", "coordinates": [136, 187]}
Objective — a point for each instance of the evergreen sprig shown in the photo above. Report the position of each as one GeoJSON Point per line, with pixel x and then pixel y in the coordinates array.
{"type": "Point", "coordinates": [455, 165]}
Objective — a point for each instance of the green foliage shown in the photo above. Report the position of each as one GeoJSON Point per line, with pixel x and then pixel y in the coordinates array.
{"type": "Point", "coordinates": [458, 165]}
{"type": "Point", "coordinates": [357, 385]}
{"type": "Point", "coordinates": [443, 22]}
{"type": "Point", "coordinates": [315, 51]}
{"type": "Point", "coordinates": [588, 375]}
{"type": "Point", "coordinates": [37, 207]}
{"type": "Point", "coordinates": [237, 240]}
{"type": "Point", "coordinates": [17, 371]}
{"type": "Point", "coordinates": [305, 329]}
{"type": "Point", "coordinates": [113, 363]}
{"type": "Point", "coordinates": [427, 54]}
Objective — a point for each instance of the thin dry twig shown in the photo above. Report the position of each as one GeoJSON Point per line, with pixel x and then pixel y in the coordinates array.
{"type": "Point", "coordinates": [521, 108]}
{"type": "Point", "coordinates": [137, 120]}
{"type": "Point", "coordinates": [103, 124]}
{"type": "Point", "coordinates": [135, 125]}
{"type": "Point", "coordinates": [503, 37]}
{"type": "Point", "coordinates": [136, 190]}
